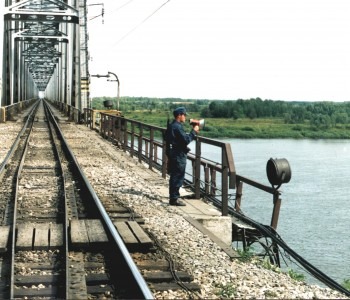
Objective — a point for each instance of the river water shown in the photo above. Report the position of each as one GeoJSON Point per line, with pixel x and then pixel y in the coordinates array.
{"type": "Point", "coordinates": [314, 218]}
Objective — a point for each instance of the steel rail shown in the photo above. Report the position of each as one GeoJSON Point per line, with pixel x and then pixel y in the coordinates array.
{"type": "Point", "coordinates": [51, 119]}
{"type": "Point", "coordinates": [18, 175]}
{"type": "Point", "coordinates": [16, 142]}
{"type": "Point", "coordinates": [143, 291]}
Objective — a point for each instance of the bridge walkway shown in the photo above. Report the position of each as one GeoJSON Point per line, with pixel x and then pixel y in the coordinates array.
{"type": "Point", "coordinates": [202, 215]}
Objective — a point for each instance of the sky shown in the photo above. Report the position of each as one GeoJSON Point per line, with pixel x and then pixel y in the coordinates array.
{"type": "Point", "coordinates": [293, 50]}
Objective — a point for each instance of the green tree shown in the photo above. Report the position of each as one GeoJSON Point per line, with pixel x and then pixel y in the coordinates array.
{"type": "Point", "coordinates": [320, 121]}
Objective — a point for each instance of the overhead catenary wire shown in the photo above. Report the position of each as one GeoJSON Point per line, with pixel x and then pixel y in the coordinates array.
{"type": "Point", "coordinates": [139, 24]}
{"type": "Point", "coordinates": [120, 7]}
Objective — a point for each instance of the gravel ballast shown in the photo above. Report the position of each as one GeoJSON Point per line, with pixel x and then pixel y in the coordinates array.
{"type": "Point", "coordinates": [113, 173]}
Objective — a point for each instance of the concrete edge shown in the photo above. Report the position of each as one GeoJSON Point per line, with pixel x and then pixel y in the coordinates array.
{"type": "Point", "coordinates": [227, 249]}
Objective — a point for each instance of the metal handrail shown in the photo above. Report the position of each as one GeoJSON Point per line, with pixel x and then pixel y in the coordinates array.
{"type": "Point", "coordinates": [139, 139]}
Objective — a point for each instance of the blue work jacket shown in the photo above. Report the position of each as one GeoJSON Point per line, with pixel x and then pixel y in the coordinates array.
{"type": "Point", "coordinates": [177, 138]}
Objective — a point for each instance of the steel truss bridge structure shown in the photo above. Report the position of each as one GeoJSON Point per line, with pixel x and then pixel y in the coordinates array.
{"type": "Point", "coordinates": [45, 52]}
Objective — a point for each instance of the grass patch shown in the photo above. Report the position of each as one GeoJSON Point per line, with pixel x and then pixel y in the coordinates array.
{"type": "Point", "coordinates": [266, 264]}
{"type": "Point", "coordinates": [296, 276]}
{"type": "Point", "coordinates": [245, 255]}
{"type": "Point", "coordinates": [346, 284]}
{"type": "Point", "coordinates": [267, 128]}
{"type": "Point", "coordinates": [225, 291]}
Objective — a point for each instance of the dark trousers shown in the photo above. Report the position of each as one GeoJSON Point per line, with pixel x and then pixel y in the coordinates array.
{"type": "Point", "coordinates": [177, 166]}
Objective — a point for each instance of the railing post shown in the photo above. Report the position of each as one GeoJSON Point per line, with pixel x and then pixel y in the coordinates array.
{"type": "Point", "coordinates": [164, 157]}
{"type": "Point", "coordinates": [197, 170]}
{"type": "Point", "coordinates": [119, 128]}
{"type": "Point", "coordinates": [109, 127]}
{"type": "Point", "coordinates": [125, 143]}
{"type": "Point", "coordinates": [151, 149]}
{"type": "Point", "coordinates": [213, 181]}
{"type": "Point", "coordinates": [231, 166]}
{"type": "Point", "coordinates": [132, 139]}
{"type": "Point", "coordinates": [239, 196]}
{"type": "Point", "coordinates": [114, 128]}
{"type": "Point", "coordinates": [155, 155]}
{"type": "Point", "coordinates": [93, 119]}
{"type": "Point", "coordinates": [146, 149]}
{"type": "Point", "coordinates": [224, 183]}
{"type": "Point", "coordinates": [101, 125]}
{"type": "Point", "coordinates": [276, 209]}
{"type": "Point", "coordinates": [206, 179]}
{"type": "Point", "coordinates": [106, 127]}
{"type": "Point", "coordinates": [140, 142]}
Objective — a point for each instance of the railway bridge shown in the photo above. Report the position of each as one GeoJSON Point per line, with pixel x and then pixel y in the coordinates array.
{"type": "Point", "coordinates": [45, 51]}
{"type": "Point", "coordinates": [45, 56]}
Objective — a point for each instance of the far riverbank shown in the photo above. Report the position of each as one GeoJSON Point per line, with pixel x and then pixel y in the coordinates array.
{"type": "Point", "coordinates": [268, 128]}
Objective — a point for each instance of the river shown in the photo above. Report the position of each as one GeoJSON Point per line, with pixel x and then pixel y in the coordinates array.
{"type": "Point", "coordinates": [314, 218]}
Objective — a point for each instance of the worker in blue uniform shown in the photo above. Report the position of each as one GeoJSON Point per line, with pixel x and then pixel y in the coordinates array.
{"type": "Point", "coordinates": [177, 148]}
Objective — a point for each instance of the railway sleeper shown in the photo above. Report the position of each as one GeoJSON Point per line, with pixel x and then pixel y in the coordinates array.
{"type": "Point", "coordinates": [166, 276]}
{"type": "Point", "coordinates": [86, 280]}
{"type": "Point", "coordinates": [127, 218]}
{"type": "Point", "coordinates": [118, 212]}
{"type": "Point", "coordinates": [166, 286]}
{"type": "Point", "coordinates": [39, 236]}
{"type": "Point", "coordinates": [134, 237]}
{"type": "Point", "coordinates": [159, 264]}
{"type": "Point", "coordinates": [33, 285]}
{"type": "Point", "coordinates": [100, 290]}
{"type": "Point", "coordinates": [87, 233]}
{"type": "Point", "coordinates": [35, 280]}
{"type": "Point", "coordinates": [159, 278]}
{"type": "Point", "coordinates": [31, 293]}
{"type": "Point", "coordinates": [4, 238]}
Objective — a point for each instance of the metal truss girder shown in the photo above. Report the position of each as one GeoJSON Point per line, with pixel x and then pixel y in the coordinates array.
{"type": "Point", "coordinates": [41, 54]}
{"type": "Point", "coordinates": [41, 17]}
{"type": "Point", "coordinates": [42, 4]}
{"type": "Point", "coordinates": [42, 39]}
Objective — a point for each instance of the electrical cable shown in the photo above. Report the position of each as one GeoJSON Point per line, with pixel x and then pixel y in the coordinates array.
{"type": "Point", "coordinates": [138, 25]}
{"type": "Point", "coordinates": [120, 7]}
{"type": "Point", "coordinates": [172, 268]}
{"type": "Point", "coordinates": [270, 232]}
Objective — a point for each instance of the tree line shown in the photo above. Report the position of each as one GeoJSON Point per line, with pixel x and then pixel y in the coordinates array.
{"type": "Point", "coordinates": [129, 104]}
{"type": "Point", "coordinates": [318, 114]}
{"type": "Point", "coordinates": [324, 114]}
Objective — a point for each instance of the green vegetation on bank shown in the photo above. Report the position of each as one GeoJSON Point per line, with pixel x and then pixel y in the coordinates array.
{"type": "Point", "coordinates": [346, 284]}
{"type": "Point", "coordinates": [252, 118]}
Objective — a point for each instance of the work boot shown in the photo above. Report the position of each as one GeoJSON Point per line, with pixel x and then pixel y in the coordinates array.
{"type": "Point", "coordinates": [177, 202]}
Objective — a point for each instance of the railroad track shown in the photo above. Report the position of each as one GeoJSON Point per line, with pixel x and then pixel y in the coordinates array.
{"type": "Point", "coordinates": [59, 240]}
